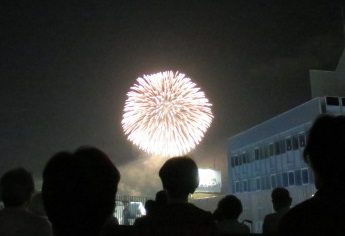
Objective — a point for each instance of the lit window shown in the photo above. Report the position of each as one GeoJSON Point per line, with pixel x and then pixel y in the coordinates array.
{"type": "Point", "coordinates": [285, 180]}
{"type": "Point", "coordinates": [236, 160]}
{"type": "Point", "coordinates": [237, 187]}
{"type": "Point", "coordinates": [295, 142]}
{"type": "Point", "coordinates": [279, 180]}
{"type": "Point", "coordinates": [244, 160]}
{"type": "Point", "coordinates": [288, 144]}
{"type": "Point", "coordinates": [256, 154]}
{"type": "Point", "coordinates": [277, 148]}
{"type": "Point", "coordinates": [272, 162]}
{"type": "Point", "coordinates": [268, 182]}
{"type": "Point", "coordinates": [249, 185]}
{"type": "Point", "coordinates": [239, 160]}
{"type": "Point", "coordinates": [311, 176]}
{"type": "Point", "coordinates": [245, 186]}
{"type": "Point", "coordinates": [262, 153]}
{"type": "Point", "coordinates": [271, 148]}
{"type": "Point", "coordinates": [232, 161]}
{"type": "Point", "coordinates": [305, 176]}
{"type": "Point", "coordinates": [273, 181]}
{"type": "Point", "coordinates": [298, 178]}
{"type": "Point", "coordinates": [258, 184]}
{"type": "Point", "coordinates": [291, 178]}
{"type": "Point", "coordinates": [301, 138]}
{"type": "Point", "coordinates": [282, 146]}
{"type": "Point", "coordinates": [263, 183]}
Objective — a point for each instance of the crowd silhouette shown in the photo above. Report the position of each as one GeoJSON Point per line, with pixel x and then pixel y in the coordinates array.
{"type": "Point", "coordinates": [281, 201]}
{"type": "Point", "coordinates": [323, 214]}
{"type": "Point", "coordinates": [79, 194]}
{"type": "Point", "coordinates": [226, 215]}
{"type": "Point", "coordinates": [17, 187]}
{"type": "Point", "coordinates": [152, 207]}
{"type": "Point", "coordinates": [79, 191]}
{"type": "Point", "coordinates": [179, 176]}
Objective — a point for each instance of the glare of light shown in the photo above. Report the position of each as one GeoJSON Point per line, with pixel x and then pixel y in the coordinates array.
{"type": "Point", "coordinates": [208, 177]}
{"type": "Point", "coordinates": [142, 209]}
{"type": "Point", "coordinates": [166, 114]}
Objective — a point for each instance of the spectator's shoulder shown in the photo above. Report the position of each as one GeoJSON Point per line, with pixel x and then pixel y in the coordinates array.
{"type": "Point", "coordinates": [298, 218]}
{"type": "Point", "coordinates": [200, 211]}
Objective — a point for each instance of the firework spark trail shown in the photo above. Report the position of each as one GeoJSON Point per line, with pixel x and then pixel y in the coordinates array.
{"type": "Point", "coordinates": [166, 114]}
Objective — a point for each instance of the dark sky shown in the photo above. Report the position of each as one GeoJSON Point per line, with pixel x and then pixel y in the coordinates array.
{"type": "Point", "coordinates": [66, 68]}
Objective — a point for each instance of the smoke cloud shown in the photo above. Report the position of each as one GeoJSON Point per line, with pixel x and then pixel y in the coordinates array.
{"type": "Point", "coordinates": [140, 177]}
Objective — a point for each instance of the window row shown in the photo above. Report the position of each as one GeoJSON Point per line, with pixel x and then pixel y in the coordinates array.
{"type": "Point", "coordinates": [268, 166]}
{"type": "Point", "coordinates": [294, 142]}
{"type": "Point", "coordinates": [285, 179]}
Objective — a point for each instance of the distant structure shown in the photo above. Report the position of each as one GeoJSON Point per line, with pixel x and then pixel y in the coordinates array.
{"type": "Point", "coordinates": [329, 82]}
{"type": "Point", "coordinates": [269, 155]}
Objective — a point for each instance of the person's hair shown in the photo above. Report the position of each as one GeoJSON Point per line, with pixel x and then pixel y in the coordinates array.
{"type": "Point", "coordinates": [179, 176]}
{"type": "Point", "coordinates": [325, 148]}
{"type": "Point", "coordinates": [16, 187]}
{"type": "Point", "coordinates": [229, 207]}
{"type": "Point", "coordinates": [281, 198]}
{"type": "Point", "coordinates": [79, 191]}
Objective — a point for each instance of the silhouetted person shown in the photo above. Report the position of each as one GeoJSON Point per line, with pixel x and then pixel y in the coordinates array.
{"type": "Point", "coordinates": [126, 214]}
{"type": "Point", "coordinates": [161, 199]}
{"type": "Point", "coordinates": [17, 187]}
{"type": "Point", "coordinates": [79, 191]}
{"type": "Point", "coordinates": [179, 176]}
{"type": "Point", "coordinates": [110, 227]}
{"type": "Point", "coordinates": [324, 213]}
{"type": "Point", "coordinates": [228, 210]}
{"type": "Point", "coordinates": [152, 207]}
{"type": "Point", "coordinates": [149, 206]}
{"type": "Point", "coordinates": [281, 201]}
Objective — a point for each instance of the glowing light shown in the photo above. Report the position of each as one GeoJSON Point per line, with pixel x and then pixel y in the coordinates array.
{"type": "Point", "coordinates": [166, 114]}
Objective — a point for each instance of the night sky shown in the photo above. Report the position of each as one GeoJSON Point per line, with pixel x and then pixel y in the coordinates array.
{"type": "Point", "coordinates": [66, 68]}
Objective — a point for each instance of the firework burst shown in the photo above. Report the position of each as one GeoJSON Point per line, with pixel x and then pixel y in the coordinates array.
{"type": "Point", "coordinates": [166, 114]}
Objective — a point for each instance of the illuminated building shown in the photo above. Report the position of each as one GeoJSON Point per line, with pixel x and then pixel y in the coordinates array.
{"type": "Point", "coordinates": [269, 155]}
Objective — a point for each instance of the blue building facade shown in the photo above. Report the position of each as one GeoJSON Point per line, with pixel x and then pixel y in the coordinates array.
{"type": "Point", "coordinates": [269, 155]}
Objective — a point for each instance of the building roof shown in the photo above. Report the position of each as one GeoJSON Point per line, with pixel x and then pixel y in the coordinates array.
{"type": "Point", "coordinates": [297, 116]}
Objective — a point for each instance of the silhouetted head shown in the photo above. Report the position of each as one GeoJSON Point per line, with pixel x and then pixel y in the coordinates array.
{"type": "Point", "coordinates": [16, 187]}
{"type": "Point", "coordinates": [325, 148]}
{"type": "Point", "coordinates": [150, 206]}
{"type": "Point", "coordinates": [216, 215]}
{"type": "Point", "coordinates": [79, 191]}
{"type": "Point", "coordinates": [179, 177]}
{"type": "Point", "coordinates": [161, 198]}
{"type": "Point", "coordinates": [280, 198]}
{"type": "Point", "coordinates": [229, 207]}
